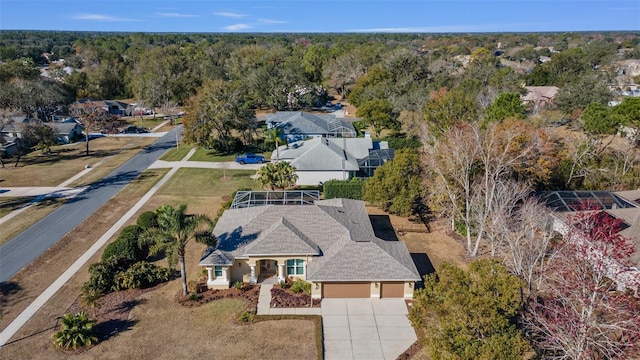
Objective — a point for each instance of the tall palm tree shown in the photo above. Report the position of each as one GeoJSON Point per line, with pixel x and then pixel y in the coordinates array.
{"type": "Point", "coordinates": [274, 136]}
{"type": "Point", "coordinates": [174, 230]}
{"type": "Point", "coordinates": [77, 331]}
{"type": "Point", "coordinates": [278, 175]}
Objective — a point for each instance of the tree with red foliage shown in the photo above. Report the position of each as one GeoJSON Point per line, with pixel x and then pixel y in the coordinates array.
{"type": "Point", "coordinates": [587, 309]}
{"type": "Point", "coordinates": [94, 118]}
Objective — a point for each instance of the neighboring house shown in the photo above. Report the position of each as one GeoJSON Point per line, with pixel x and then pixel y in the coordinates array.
{"type": "Point", "coordinates": [10, 145]}
{"type": "Point", "coordinates": [623, 205]}
{"type": "Point", "coordinates": [119, 108]}
{"type": "Point", "coordinates": [539, 96]}
{"type": "Point", "coordinates": [300, 125]}
{"type": "Point", "coordinates": [321, 159]}
{"type": "Point", "coordinates": [13, 127]}
{"type": "Point", "coordinates": [330, 244]}
{"type": "Point", "coordinates": [67, 131]}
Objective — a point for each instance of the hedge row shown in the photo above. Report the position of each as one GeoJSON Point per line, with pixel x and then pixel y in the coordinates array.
{"type": "Point", "coordinates": [351, 189]}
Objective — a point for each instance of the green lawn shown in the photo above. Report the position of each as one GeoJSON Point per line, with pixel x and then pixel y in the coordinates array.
{"type": "Point", "coordinates": [147, 122]}
{"type": "Point", "coordinates": [176, 155]}
{"type": "Point", "coordinates": [213, 156]}
{"type": "Point", "coordinates": [208, 182]}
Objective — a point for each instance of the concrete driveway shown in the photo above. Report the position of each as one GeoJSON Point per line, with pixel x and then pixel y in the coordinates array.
{"type": "Point", "coordinates": [366, 328]}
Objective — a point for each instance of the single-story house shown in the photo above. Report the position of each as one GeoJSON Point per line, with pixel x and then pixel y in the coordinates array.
{"type": "Point", "coordinates": [300, 125]}
{"type": "Point", "coordinates": [321, 159]}
{"type": "Point", "coordinates": [67, 131]}
{"type": "Point", "coordinates": [330, 244]}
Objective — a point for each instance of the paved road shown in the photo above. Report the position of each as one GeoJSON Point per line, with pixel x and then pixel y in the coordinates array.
{"type": "Point", "coordinates": [31, 243]}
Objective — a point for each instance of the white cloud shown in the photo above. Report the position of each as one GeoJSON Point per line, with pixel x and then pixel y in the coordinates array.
{"type": "Point", "coordinates": [271, 21]}
{"type": "Point", "coordinates": [175, 15]}
{"type": "Point", "coordinates": [230, 14]}
{"type": "Point", "coordinates": [100, 17]}
{"type": "Point", "coordinates": [237, 27]}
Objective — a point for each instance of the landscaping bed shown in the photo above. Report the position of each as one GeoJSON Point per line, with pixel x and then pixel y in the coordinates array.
{"type": "Point", "coordinates": [285, 298]}
{"type": "Point", "coordinates": [248, 292]}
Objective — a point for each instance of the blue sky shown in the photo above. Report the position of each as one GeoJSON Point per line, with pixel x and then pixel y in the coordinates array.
{"type": "Point", "coordinates": [320, 16]}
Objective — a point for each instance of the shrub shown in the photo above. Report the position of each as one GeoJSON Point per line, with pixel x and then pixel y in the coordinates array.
{"type": "Point", "coordinates": [301, 286]}
{"type": "Point", "coordinates": [141, 275]}
{"type": "Point", "coordinates": [246, 316]}
{"type": "Point", "coordinates": [127, 245]}
{"type": "Point", "coordinates": [77, 331]}
{"type": "Point", "coordinates": [147, 220]}
{"type": "Point", "coordinates": [238, 285]}
{"type": "Point", "coordinates": [103, 274]}
{"type": "Point", "coordinates": [351, 189]}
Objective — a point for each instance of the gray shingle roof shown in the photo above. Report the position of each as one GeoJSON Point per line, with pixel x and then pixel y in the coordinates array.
{"type": "Point", "coordinates": [326, 153]}
{"type": "Point", "coordinates": [303, 123]}
{"type": "Point", "coordinates": [337, 230]}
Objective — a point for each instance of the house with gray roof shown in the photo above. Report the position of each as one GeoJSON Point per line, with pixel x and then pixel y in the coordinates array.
{"type": "Point", "coordinates": [321, 159]}
{"type": "Point", "coordinates": [330, 244]}
{"type": "Point", "coordinates": [300, 125]}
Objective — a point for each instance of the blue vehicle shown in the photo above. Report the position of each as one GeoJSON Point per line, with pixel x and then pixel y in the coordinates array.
{"type": "Point", "coordinates": [250, 159]}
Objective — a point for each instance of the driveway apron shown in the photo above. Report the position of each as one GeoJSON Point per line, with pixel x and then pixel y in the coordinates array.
{"type": "Point", "coordinates": [366, 328]}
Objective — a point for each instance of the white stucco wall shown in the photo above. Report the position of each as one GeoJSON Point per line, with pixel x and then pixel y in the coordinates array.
{"type": "Point", "coordinates": [316, 177]}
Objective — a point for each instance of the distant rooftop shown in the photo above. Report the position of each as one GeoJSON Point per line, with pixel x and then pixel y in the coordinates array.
{"type": "Point", "coordinates": [565, 201]}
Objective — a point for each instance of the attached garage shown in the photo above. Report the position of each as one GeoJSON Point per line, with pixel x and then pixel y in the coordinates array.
{"type": "Point", "coordinates": [346, 290]}
{"type": "Point", "coordinates": [392, 290]}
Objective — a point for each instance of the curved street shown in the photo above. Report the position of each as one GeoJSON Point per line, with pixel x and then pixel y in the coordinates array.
{"type": "Point", "coordinates": [31, 243]}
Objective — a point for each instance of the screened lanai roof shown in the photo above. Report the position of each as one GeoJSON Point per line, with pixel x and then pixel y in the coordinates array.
{"type": "Point", "coordinates": [564, 201]}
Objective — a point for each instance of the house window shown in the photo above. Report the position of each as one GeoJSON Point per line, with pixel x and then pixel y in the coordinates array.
{"type": "Point", "coordinates": [217, 271]}
{"type": "Point", "coordinates": [295, 267]}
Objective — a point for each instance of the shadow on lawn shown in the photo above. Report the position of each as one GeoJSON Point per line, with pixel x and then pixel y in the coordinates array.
{"type": "Point", "coordinates": [8, 290]}
{"type": "Point", "coordinates": [423, 265]}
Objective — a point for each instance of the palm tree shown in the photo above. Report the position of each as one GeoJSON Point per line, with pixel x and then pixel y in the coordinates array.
{"type": "Point", "coordinates": [77, 331]}
{"type": "Point", "coordinates": [174, 230]}
{"type": "Point", "coordinates": [274, 135]}
{"type": "Point", "coordinates": [278, 175]}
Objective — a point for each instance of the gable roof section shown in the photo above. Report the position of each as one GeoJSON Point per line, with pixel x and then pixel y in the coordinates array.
{"type": "Point", "coordinates": [281, 238]}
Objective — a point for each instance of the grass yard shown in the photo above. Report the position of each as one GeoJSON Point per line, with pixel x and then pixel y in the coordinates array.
{"type": "Point", "coordinates": [176, 154]}
{"type": "Point", "coordinates": [67, 161]}
{"type": "Point", "coordinates": [9, 204]}
{"type": "Point", "coordinates": [194, 182]}
{"type": "Point", "coordinates": [147, 122]}
{"type": "Point", "coordinates": [25, 219]}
